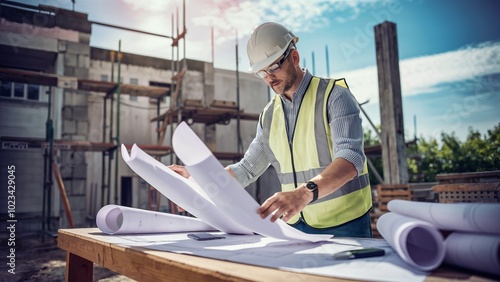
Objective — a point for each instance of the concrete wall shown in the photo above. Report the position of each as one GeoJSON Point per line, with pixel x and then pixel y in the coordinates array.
{"type": "Point", "coordinates": [31, 41]}
{"type": "Point", "coordinates": [28, 174]}
{"type": "Point", "coordinates": [253, 98]}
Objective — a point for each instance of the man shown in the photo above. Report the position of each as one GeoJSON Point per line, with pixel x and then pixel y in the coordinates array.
{"type": "Point", "coordinates": [311, 133]}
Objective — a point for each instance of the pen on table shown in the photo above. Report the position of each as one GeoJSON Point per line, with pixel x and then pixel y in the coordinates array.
{"type": "Point", "coordinates": [362, 253]}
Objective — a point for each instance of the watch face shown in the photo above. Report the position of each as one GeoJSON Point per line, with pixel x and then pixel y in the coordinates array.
{"type": "Point", "coordinates": [311, 185]}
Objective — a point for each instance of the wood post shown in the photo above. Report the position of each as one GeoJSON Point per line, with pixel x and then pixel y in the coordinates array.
{"type": "Point", "coordinates": [64, 197]}
{"type": "Point", "coordinates": [78, 268]}
{"type": "Point", "coordinates": [391, 108]}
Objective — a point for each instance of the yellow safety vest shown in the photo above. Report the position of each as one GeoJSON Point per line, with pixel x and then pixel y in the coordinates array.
{"type": "Point", "coordinates": [309, 153]}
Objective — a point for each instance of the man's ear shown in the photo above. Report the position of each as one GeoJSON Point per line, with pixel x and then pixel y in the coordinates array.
{"type": "Point", "coordinates": [295, 57]}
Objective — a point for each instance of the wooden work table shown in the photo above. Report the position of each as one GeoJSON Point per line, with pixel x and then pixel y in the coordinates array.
{"type": "Point", "coordinates": [85, 246]}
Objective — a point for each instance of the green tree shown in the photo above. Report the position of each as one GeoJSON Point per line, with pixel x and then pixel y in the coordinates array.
{"type": "Point", "coordinates": [476, 153]}
{"type": "Point", "coordinates": [370, 137]}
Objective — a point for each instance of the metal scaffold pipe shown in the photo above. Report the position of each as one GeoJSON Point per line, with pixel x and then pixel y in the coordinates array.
{"type": "Point", "coordinates": [120, 55]}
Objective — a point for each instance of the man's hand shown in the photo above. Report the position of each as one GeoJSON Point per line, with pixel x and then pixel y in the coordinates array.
{"type": "Point", "coordinates": [181, 170]}
{"type": "Point", "coordinates": [286, 204]}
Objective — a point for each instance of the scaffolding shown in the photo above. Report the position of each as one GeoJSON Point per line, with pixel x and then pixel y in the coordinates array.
{"type": "Point", "coordinates": [51, 147]}
{"type": "Point", "coordinates": [192, 111]}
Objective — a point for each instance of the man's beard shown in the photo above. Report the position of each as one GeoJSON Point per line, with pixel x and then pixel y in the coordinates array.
{"type": "Point", "coordinates": [291, 76]}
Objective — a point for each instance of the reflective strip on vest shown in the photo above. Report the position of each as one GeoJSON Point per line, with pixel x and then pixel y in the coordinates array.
{"type": "Point", "coordinates": [309, 153]}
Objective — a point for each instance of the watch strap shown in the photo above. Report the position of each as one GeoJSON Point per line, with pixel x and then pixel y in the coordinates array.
{"type": "Point", "coordinates": [313, 187]}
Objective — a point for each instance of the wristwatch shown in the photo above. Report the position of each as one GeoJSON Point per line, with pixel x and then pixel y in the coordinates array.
{"type": "Point", "coordinates": [313, 187]}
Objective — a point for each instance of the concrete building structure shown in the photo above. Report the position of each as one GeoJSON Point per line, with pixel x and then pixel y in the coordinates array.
{"type": "Point", "coordinates": [51, 42]}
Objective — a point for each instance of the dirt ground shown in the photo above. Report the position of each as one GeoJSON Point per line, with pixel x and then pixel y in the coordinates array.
{"type": "Point", "coordinates": [43, 261]}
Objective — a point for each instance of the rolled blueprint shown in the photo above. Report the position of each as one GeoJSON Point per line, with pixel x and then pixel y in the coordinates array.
{"type": "Point", "coordinates": [417, 242]}
{"type": "Point", "coordinates": [474, 251]}
{"type": "Point", "coordinates": [469, 217]}
{"type": "Point", "coordinates": [114, 219]}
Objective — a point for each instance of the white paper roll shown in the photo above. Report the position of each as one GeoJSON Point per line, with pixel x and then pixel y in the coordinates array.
{"type": "Point", "coordinates": [417, 242]}
{"type": "Point", "coordinates": [474, 251]}
{"type": "Point", "coordinates": [469, 217]}
{"type": "Point", "coordinates": [114, 219]}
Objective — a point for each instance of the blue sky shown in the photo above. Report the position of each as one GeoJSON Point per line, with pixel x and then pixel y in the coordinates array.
{"type": "Point", "coordinates": [449, 49]}
{"type": "Point", "coordinates": [424, 27]}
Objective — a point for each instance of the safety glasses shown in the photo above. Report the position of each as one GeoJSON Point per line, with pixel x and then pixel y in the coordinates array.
{"type": "Point", "coordinates": [276, 66]}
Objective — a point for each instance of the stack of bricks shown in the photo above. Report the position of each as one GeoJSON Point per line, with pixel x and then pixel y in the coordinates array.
{"type": "Point", "coordinates": [470, 187]}
{"type": "Point", "coordinates": [385, 193]}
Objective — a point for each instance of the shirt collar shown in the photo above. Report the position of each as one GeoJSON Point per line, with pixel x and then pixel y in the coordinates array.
{"type": "Point", "coordinates": [301, 90]}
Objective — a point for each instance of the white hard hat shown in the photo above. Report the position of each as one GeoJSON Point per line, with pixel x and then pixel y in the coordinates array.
{"type": "Point", "coordinates": [267, 43]}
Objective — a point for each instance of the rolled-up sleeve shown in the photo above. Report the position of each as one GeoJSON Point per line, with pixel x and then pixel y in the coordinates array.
{"type": "Point", "coordinates": [345, 125]}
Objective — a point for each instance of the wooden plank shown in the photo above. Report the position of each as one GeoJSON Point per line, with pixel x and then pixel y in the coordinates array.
{"type": "Point", "coordinates": [491, 186]}
{"type": "Point", "coordinates": [64, 197]}
{"type": "Point", "coordinates": [392, 194]}
{"type": "Point", "coordinates": [53, 80]}
{"type": "Point", "coordinates": [223, 104]}
{"type": "Point", "coordinates": [58, 144]}
{"type": "Point", "coordinates": [78, 269]}
{"type": "Point", "coordinates": [141, 90]}
{"type": "Point", "coordinates": [469, 177]}
{"type": "Point", "coordinates": [388, 199]}
{"type": "Point", "coordinates": [193, 103]}
{"type": "Point", "coordinates": [29, 77]}
{"type": "Point", "coordinates": [207, 115]}
{"type": "Point", "coordinates": [393, 190]}
{"type": "Point", "coordinates": [96, 86]}
{"type": "Point", "coordinates": [156, 150]}
{"type": "Point", "coordinates": [392, 186]}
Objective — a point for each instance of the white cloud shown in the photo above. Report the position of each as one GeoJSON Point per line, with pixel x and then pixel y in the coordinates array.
{"type": "Point", "coordinates": [153, 5]}
{"type": "Point", "coordinates": [299, 15]}
{"type": "Point", "coordinates": [454, 66]}
{"type": "Point", "coordinates": [427, 74]}
{"type": "Point", "coordinates": [226, 16]}
{"type": "Point", "coordinates": [418, 75]}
